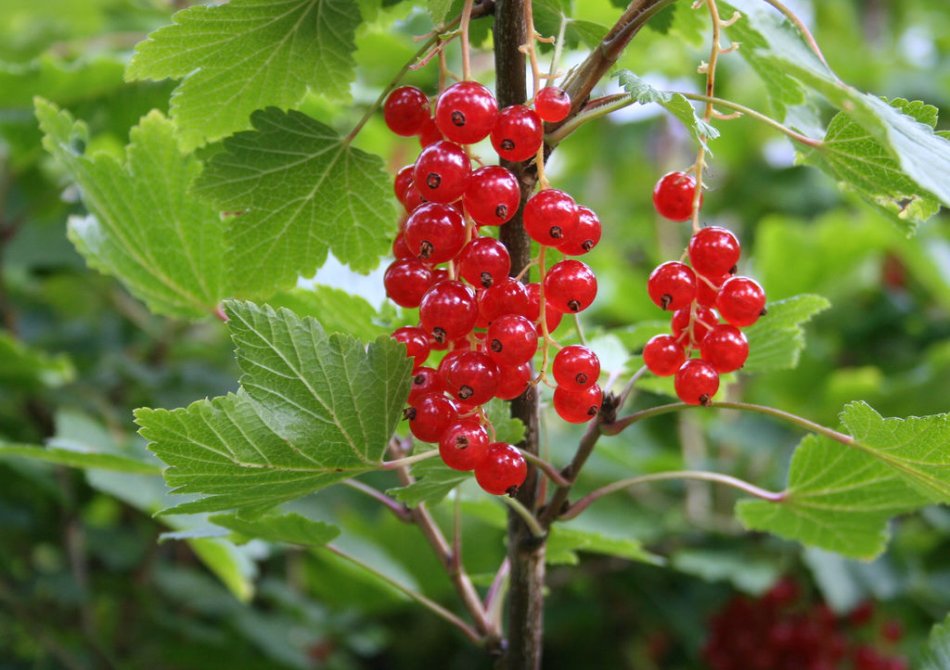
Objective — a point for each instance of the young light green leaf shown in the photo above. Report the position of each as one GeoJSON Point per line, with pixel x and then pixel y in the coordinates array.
{"type": "Point", "coordinates": [674, 103]}
{"type": "Point", "coordinates": [565, 541]}
{"type": "Point", "coordinates": [777, 339]}
{"type": "Point", "coordinates": [77, 459]}
{"type": "Point", "coordinates": [507, 428]}
{"type": "Point", "coordinates": [246, 55]}
{"type": "Point", "coordinates": [313, 410]}
{"type": "Point", "coordinates": [335, 309]}
{"type": "Point", "coordinates": [937, 656]}
{"type": "Point", "coordinates": [23, 366]}
{"type": "Point", "coordinates": [304, 191]}
{"type": "Point", "coordinates": [434, 480]}
{"type": "Point", "coordinates": [286, 528]}
{"type": "Point", "coordinates": [162, 244]}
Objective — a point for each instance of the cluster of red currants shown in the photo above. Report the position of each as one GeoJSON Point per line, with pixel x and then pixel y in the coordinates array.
{"type": "Point", "coordinates": [449, 266]}
{"type": "Point", "coordinates": [694, 293]}
{"type": "Point", "coordinates": [781, 632]}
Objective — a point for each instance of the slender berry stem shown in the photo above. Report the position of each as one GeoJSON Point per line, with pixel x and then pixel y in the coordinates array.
{"type": "Point", "coordinates": [547, 468]}
{"type": "Point", "coordinates": [397, 508]}
{"type": "Point", "coordinates": [529, 519]}
{"type": "Point", "coordinates": [409, 460]}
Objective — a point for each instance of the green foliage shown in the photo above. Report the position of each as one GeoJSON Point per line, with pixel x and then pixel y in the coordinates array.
{"type": "Point", "coordinates": [78, 459]}
{"type": "Point", "coordinates": [938, 655]}
{"type": "Point", "coordinates": [674, 103]}
{"type": "Point", "coordinates": [286, 528]}
{"type": "Point", "coordinates": [56, 79]}
{"type": "Point", "coordinates": [22, 366]}
{"type": "Point", "coordinates": [434, 481]}
{"type": "Point", "coordinates": [777, 339]}
{"type": "Point", "coordinates": [565, 541]}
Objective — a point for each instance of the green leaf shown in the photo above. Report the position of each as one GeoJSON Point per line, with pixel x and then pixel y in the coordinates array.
{"type": "Point", "coordinates": [439, 10]}
{"type": "Point", "coordinates": [507, 428]}
{"type": "Point", "coordinates": [78, 459]}
{"type": "Point", "coordinates": [287, 528]}
{"type": "Point", "coordinates": [434, 480]}
{"type": "Point", "coordinates": [59, 80]}
{"type": "Point", "coordinates": [748, 573]}
{"type": "Point", "coordinates": [564, 542]}
{"type": "Point", "coordinates": [662, 21]}
{"type": "Point", "coordinates": [777, 339]}
{"type": "Point", "coordinates": [22, 366]}
{"type": "Point", "coordinates": [547, 21]}
{"type": "Point", "coordinates": [164, 245]}
{"type": "Point", "coordinates": [335, 309]}
{"type": "Point", "coordinates": [674, 103]}
{"type": "Point", "coordinates": [304, 191]}
{"type": "Point", "coordinates": [937, 656]}
{"type": "Point", "coordinates": [246, 55]}
{"type": "Point", "coordinates": [313, 409]}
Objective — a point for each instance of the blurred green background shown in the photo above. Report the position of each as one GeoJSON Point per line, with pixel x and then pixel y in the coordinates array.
{"type": "Point", "coordinates": [85, 581]}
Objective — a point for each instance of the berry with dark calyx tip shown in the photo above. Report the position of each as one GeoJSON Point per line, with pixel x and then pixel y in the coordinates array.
{"type": "Point", "coordinates": [406, 281]}
{"type": "Point", "coordinates": [696, 382]}
{"type": "Point", "coordinates": [705, 294]}
{"type": "Point", "coordinates": [504, 297]}
{"type": "Point", "coordinates": [417, 343]}
{"type": "Point", "coordinates": [703, 319]}
{"type": "Point", "coordinates": [725, 348]}
{"type": "Point", "coordinates": [400, 249]}
{"type": "Point", "coordinates": [570, 286]}
{"type": "Point", "coordinates": [466, 112]}
{"type": "Point", "coordinates": [501, 470]}
{"type": "Point", "coordinates": [673, 196]}
{"type": "Point", "coordinates": [512, 382]}
{"type": "Point", "coordinates": [663, 355]}
{"type": "Point", "coordinates": [441, 171]}
{"type": "Point", "coordinates": [714, 251]}
{"type": "Point", "coordinates": [448, 310]}
{"type": "Point", "coordinates": [576, 367]}
{"type": "Point", "coordinates": [492, 195]}
{"type": "Point", "coordinates": [425, 380]}
{"type": "Point", "coordinates": [512, 340]}
{"type": "Point", "coordinates": [552, 104]}
{"type": "Point", "coordinates": [552, 316]}
{"type": "Point", "coordinates": [518, 133]}
{"type": "Point", "coordinates": [578, 406]}
{"type": "Point", "coordinates": [406, 110]}
{"type": "Point", "coordinates": [430, 133]}
{"type": "Point", "coordinates": [741, 301]}
{"type": "Point", "coordinates": [586, 234]}
{"type": "Point", "coordinates": [484, 261]}
{"type": "Point", "coordinates": [435, 232]}
{"type": "Point", "coordinates": [430, 415]}
{"type": "Point", "coordinates": [473, 378]}
{"type": "Point", "coordinates": [550, 217]}
{"type": "Point", "coordinates": [672, 285]}
{"type": "Point", "coordinates": [463, 444]}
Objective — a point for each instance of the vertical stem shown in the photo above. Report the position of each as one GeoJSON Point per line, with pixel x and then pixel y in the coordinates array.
{"type": "Point", "coordinates": [525, 552]}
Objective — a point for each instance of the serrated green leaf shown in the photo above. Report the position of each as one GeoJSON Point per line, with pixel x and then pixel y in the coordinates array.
{"type": "Point", "coordinates": [24, 367]}
{"type": "Point", "coordinates": [674, 103]}
{"type": "Point", "coordinates": [162, 244]}
{"type": "Point", "coordinates": [286, 528]}
{"type": "Point", "coordinates": [304, 191]}
{"type": "Point", "coordinates": [313, 409]}
{"type": "Point", "coordinates": [564, 542]}
{"type": "Point", "coordinates": [507, 428]}
{"type": "Point", "coordinates": [246, 55]}
{"type": "Point", "coordinates": [662, 21]}
{"type": "Point", "coordinates": [335, 309]}
{"type": "Point", "coordinates": [434, 480]}
{"type": "Point", "coordinates": [777, 339]}
{"type": "Point", "coordinates": [55, 79]}
{"type": "Point", "coordinates": [77, 459]}
{"type": "Point", "coordinates": [937, 656]}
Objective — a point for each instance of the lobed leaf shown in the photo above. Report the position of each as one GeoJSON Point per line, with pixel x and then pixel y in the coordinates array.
{"type": "Point", "coordinates": [78, 459]}
{"type": "Point", "coordinates": [674, 103]}
{"type": "Point", "coordinates": [777, 339]}
{"type": "Point", "coordinates": [286, 528]}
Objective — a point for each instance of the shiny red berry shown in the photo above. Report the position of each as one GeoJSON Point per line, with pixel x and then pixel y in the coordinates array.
{"type": "Point", "coordinates": [663, 355]}
{"type": "Point", "coordinates": [463, 444]}
{"type": "Point", "coordinates": [430, 415]}
{"type": "Point", "coordinates": [429, 134]}
{"type": "Point", "coordinates": [673, 196]}
{"type": "Point", "coordinates": [725, 348]}
{"type": "Point", "coordinates": [672, 285]}
{"type": "Point", "coordinates": [550, 217]}
{"type": "Point", "coordinates": [585, 236]}
{"type": "Point", "coordinates": [705, 294]}
{"type": "Point", "coordinates": [445, 366]}
{"type": "Point", "coordinates": [406, 110]}
{"type": "Point", "coordinates": [416, 341]}
{"type": "Point", "coordinates": [578, 406]}
{"type": "Point", "coordinates": [502, 469]}
{"type": "Point", "coordinates": [406, 281]}
{"type": "Point", "coordinates": [552, 316]}
{"type": "Point", "coordinates": [570, 286]}
{"type": "Point", "coordinates": [448, 310]}
{"type": "Point", "coordinates": [400, 249]}
{"type": "Point", "coordinates": [552, 104]}
{"type": "Point", "coordinates": [492, 195]}
{"type": "Point", "coordinates": [435, 232]}
{"type": "Point", "coordinates": [441, 171]}
{"type": "Point", "coordinates": [424, 380]}
{"type": "Point", "coordinates": [473, 378]}
{"type": "Point", "coordinates": [696, 382]}
{"type": "Point", "coordinates": [484, 261]}
{"type": "Point", "coordinates": [714, 251]}
{"type": "Point", "coordinates": [405, 190]}
{"type": "Point", "coordinates": [504, 297]}
{"type": "Point", "coordinates": [696, 322]}
{"type": "Point", "coordinates": [466, 112]}
{"type": "Point", "coordinates": [741, 301]}
{"type": "Point", "coordinates": [576, 367]}
{"type": "Point", "coordinates": [518, 133]}
{"type": "Point", "coordinates": [512, 340]}
{"type": "Point", "coordinates": [512, 381]}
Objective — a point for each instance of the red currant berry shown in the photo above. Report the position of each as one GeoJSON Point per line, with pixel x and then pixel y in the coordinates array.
{"type": "Point", "coordinates": [512, 340]}
{"type": "Point", "coordinates": [705, 294]}
{"type": "Point", "coordinates": [576, 367]}
{"type": "Point", "coordinates": [578, 406]}
{"type": "Point", "coordinates": [550, 217]}
{"type": "Point", "coordinates": [570, 286]}
{"type": "Point", "coordinates": [441, 171]}
{"type": "Point", "coordinates": [473, 378]}
{"type": "Point", "coordinates": [400, 249]}
{"type": "Point", "coordinates": [696, 382]}
{"type": "Point", "coordinates": [673, 196]}
{"type": "Point", "coordinates": [518, 133]}
{"type": "Point", "coordinates": [445, 366]}
{"type": "Point", "coordinates": [448, 310]}
{"type": "Point", "coordinates": [435, 232]}
{"type": "Point", "coordinates": [725, 348]}
{"type": "Point", "coordinates": [663, 355]}
{"type": "Point", "coordinates": [463, 444]}
{"type": "Point", "coordinates": [512, 382]}
{"type": "Point", "coordinates": [586, 234]}
{"type": "Point", "coordinates": [430, 415]}
{"type": "Point", "coordinates": [404, 189]}
{"type": "Point", "coordinates": [406, 110]}
{"type": "Point", "coordinates": [741, 301]}
{"type": "Point", "coordinates": [504, 297]}
{"type": "Point", "coordinates": [552, 104]}
{"type": "Point", "coordinates": [484, 261]}
{"type": "Point", "coordinates": [502, 469]}
{"type": "Point", "coordinates": [430, 133]}
{"type": "Point", "coordinates": [672, 285]}
{"type": "Point", "coordinates": [425, 380]}
{"type": "Point", "coordinates": [701, 320]}
{"type": "Point", "coordinates": [406, 281]}
{"type": "Point", "coordinates": [466, 112]}
{"type": "Point", "coordinates": [417, 344]}
{"type": "Point", "coordinates": [714, 251]}
{"type": "Point", "coordinates": [492, 195]}
{"type": "Point", "coordinates": [552, 316]}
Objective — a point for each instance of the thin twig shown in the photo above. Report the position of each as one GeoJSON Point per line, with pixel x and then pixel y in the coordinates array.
{"type": "Point", "coordinates": [549, 470]}
{"type": "Point", "coordinates": [397, 508]}
{"type": "Point", "coordinates": [409, 460]}
{"type": "Point", "coordinates": [529, 519]}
